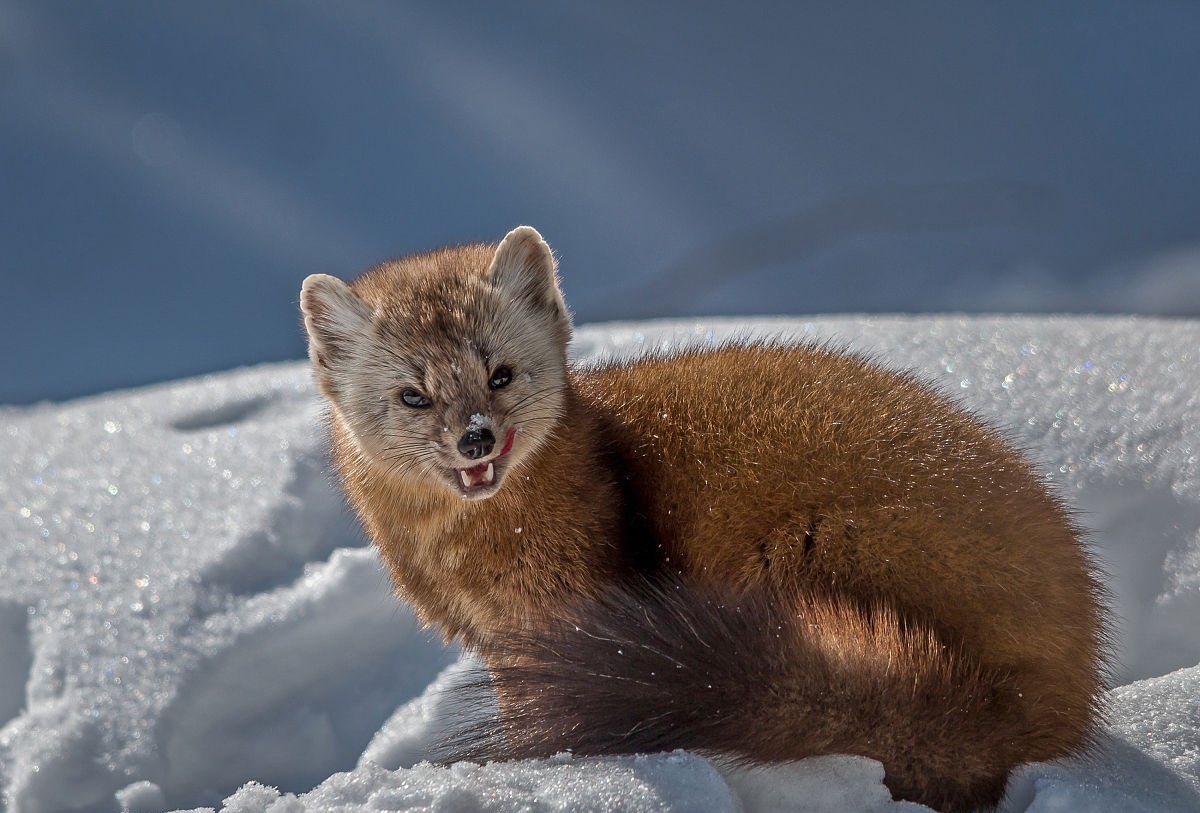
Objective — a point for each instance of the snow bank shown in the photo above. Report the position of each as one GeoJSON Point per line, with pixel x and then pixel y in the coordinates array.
{"type": "Point", "coordinates": [190, 618]}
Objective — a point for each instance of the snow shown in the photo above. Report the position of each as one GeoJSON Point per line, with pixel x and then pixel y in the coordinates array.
{"type": "Point", "coordinates": [478, 421]}
{"type": "Point", "coordinates": [190, 619]}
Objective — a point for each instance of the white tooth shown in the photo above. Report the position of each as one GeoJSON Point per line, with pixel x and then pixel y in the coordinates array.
{"type": "Point", "coordinates": [466, 478]}
{"type": "Point", "coordinates": [490, 474]}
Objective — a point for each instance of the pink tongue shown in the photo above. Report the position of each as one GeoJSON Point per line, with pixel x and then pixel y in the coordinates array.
{"type": "Point", "coordinates": [508, 442]}
{"type": "Point", "coordinates": [477, 473]}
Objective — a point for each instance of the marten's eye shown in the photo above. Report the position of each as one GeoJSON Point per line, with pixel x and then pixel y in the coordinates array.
{"type": "Point", "coordinates": [500, 378]}
{"type": "Point", "coordinates": [414, 399]}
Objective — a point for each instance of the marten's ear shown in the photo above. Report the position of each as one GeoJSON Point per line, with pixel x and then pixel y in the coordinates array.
{"type": "Point", "coordinates": [524, 268]}
{"type": "Point", "coordinates": [334, 317]}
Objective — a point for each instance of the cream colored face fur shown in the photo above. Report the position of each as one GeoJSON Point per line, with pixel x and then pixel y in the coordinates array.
{"type": "Point", "coordinates": [419, 353]}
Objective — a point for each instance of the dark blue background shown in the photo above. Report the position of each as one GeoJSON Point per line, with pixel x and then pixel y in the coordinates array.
{"type": "Point", "coordinates": [170, 172]}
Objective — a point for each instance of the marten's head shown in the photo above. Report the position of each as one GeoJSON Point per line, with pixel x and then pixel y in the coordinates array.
{"type": "Point", "coordinates": [446, 367]}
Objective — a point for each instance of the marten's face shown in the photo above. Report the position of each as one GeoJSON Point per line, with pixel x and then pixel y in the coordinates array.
{"type": "Point", "coordinates": [447, 368]}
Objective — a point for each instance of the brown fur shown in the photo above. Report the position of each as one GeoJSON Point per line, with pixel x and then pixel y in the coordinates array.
{"type": "Point", "coordinates": [894, 578]}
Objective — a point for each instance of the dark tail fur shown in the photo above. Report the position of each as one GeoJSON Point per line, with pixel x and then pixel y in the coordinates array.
{"type": "Point", "coordinates": [757, 679]}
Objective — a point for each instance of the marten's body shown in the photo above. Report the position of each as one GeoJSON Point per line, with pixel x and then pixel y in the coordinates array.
{"type": "Point", "coordinates": [760, 552]}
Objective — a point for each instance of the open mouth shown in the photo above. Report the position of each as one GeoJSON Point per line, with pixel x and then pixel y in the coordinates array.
{"type": "Point", "coordinates": [482, 479]}
{"type": "Point", "coordinates": [481, 475]}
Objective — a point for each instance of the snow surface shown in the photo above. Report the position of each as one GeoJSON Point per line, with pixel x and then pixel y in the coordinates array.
{"type": "Point", "coordinates": [189, 616]}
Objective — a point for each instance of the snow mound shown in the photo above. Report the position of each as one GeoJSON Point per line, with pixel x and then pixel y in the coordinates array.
{"type": "Point", "coordinates": [189, 617]}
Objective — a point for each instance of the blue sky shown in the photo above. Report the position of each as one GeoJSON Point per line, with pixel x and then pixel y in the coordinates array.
{"type": "Point", "coordinates": [170, 172]}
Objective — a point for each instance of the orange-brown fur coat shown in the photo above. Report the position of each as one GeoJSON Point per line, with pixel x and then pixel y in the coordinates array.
{"type": "Point", "coordinates": [849, 562]}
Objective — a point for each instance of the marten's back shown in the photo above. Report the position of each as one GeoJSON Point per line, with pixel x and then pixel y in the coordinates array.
{"type": "Point", "coordinates": [815, 471]}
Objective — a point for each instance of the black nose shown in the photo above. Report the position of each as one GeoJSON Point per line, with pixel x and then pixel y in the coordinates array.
{"type": "Point", "coordinates": [476, 443]}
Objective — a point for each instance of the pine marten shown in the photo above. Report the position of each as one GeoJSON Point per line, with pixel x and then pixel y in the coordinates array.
{"type": "Point", "coordinates": [759, 552]}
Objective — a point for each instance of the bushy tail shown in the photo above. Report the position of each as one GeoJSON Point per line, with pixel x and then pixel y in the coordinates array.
{"type": "Point", "coordinates": [757, 679]}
